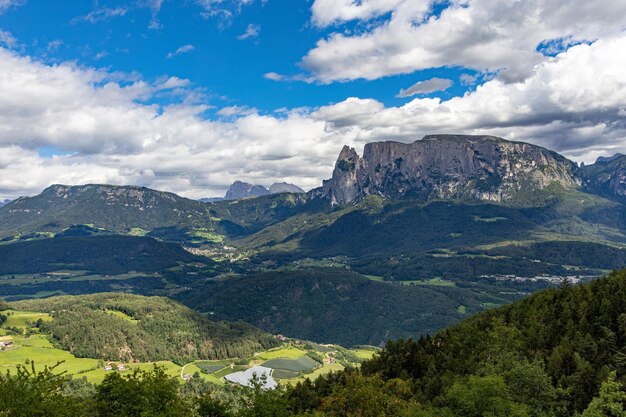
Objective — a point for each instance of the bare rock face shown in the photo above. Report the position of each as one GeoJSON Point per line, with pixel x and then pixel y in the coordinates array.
{"type": "Point", "coordinates": [463, 167]}
{"type": "Point", "coordinates": [241, 189]}
{"type": "Point", "coordinates": [607, 177]}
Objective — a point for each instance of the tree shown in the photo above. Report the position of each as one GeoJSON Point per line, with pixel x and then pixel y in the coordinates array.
{"type": "Point", "coordinates": [141, 393]}
{"type": "Point", "coordinates": [609, 402]}
{"type": "Point", "coordinates": [211, 407]}
{"type": "Point", "coordinates": [31, 393]}
{"type": "Point", "coordinates": [477, 396]}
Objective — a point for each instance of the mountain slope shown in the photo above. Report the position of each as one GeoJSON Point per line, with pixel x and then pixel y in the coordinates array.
{"type": "Point", "coordinates": [116, 209]}
{"type": "Point", "coordinates": [96, 254]}
{"type": "Point", "coordinates": [336, 305]}
{"type": "Point", "coordinates": [607, 177]}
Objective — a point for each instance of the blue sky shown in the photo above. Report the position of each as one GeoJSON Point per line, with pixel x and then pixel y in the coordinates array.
{"type": "Point", "coordinates": [191, 95]}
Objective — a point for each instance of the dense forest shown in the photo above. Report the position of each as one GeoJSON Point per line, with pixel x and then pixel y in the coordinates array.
{"type": "Point", "coordinates": [106, 254]}
{"type": "Point", "coordinates": [330, 305]}
{"type": "Point", "coordinates": [135, 328]}
{"type": "Point", "coordinates": [558, 353]}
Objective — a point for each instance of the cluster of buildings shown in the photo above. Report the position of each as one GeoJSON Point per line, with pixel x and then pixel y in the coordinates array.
{"type": "Point", "coordinates": [109, 366]}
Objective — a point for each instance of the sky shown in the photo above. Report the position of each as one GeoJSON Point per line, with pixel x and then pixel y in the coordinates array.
{"type": "Point", "coordinates": [190, 95]}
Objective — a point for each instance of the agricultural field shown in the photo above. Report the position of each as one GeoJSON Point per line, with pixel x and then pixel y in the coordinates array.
{"type": "Point", "coordinates": [302, 364]}
{"type": "Point", "coordinates": [291, 362]}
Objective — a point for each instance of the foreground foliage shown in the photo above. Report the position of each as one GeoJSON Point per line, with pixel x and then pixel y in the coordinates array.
{"type": "Point", "coordinates": [561, 352]}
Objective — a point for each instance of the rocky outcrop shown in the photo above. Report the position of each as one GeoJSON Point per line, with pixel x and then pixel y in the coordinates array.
{"type": "Point", "coordinates": [607, 177]}
{"type": "Point", "coordinates": [462, 167]}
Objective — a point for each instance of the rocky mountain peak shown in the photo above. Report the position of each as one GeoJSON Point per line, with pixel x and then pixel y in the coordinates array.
{"type": "Point", "coordinates": [284, 187]}
{"type": "Point", "coordinates": [448, 167]}
{"type": "Point", "coordinates": [240, 189]}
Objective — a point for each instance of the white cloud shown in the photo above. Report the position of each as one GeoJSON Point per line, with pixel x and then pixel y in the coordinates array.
{"type": "Point", "coordinates": [468, 79]}
{"type": "Point", "coordinates": [484, 35]}
{"type": "Point", "coordinates": [7, 39]}
{"type": "Point", "coordinates": [100, 55]}
{"type": "Point", "coordinates": [236, 111]}
{"type": "Point", "coordinates": [155, 8]}
{"type": "Point", "coordinates": [54, 45]}
{"type": "Point", "coordinates": [182, 50]}
{"type": "Point", "coordinates": [7, 4]}
{"type": "Point", "coordinates": [327, 12]}
{"type": "Point", "coordinates": [252, 31]}
{"type": "Point", "coordinates": [573, 103]}
{"type": "Point", "coordinates": [426, 87]}
{"type": "Point", "coordinates": [223, 9]}
{"type": "Point", "coordinates": [274, 76]}
{"type": "Point", "coordinates": [101, 14]}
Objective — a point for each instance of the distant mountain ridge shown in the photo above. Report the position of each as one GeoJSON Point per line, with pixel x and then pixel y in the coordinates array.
{"type": "Point", "coordinates": [241, 189]}
{"type": "Point", "coordinates": [457, 168]}
{"type": "Point", "coordinates": [114, 208]}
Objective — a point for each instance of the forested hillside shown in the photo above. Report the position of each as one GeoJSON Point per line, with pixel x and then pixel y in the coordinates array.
{"type": "Point", "coordinates": [98, 254]}
{"type": "Point", "coordinates": [135, 328]}
{"type": "Point", "coordinates": [331, 305]}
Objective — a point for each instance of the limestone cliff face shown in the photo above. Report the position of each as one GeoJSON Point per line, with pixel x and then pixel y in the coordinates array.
{"type": "Point", "coordinates": [448, 167]}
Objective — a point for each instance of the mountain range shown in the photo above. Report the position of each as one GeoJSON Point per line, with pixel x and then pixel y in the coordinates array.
{"type": "Point", "coordinates": [240, 189]}
{"type": "Point", "coordinates": [471, 221]}
{"type": "Point", "coordinates": [461, 167]}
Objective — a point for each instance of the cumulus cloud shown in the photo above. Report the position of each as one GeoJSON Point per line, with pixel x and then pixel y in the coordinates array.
{"type": "Point", "coordinates": [182, 50]}
{"type": "Point", "coordinates": [252, 31]}
{"type": "Point", "coordinates": [327, 12]}
{"type": "Point", "coordinates": [426, 87]}
{"type": "Point", "coordinates": [114, 137]}
{"type": "Point", "coordinates": [108, 131]}
{"type": "Point", "coordinates": [483, 35]}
